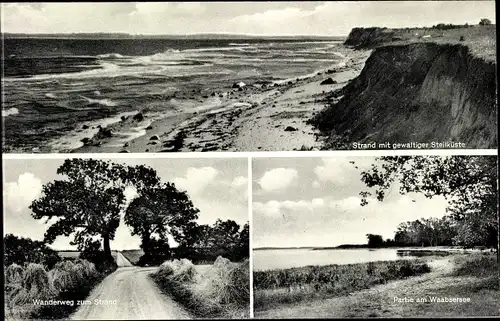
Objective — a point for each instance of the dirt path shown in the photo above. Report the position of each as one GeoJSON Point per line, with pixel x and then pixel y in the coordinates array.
{"type": "Point", "coordinates": [122, 261]}
{"type": "Point", "coordinates": [378, 301]}
{"type": "Point", "coordinates": [129, 294]}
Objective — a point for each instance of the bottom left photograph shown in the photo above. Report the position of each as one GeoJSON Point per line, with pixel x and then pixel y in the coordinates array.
{"type": "Point", "coordinates": [127, 238]}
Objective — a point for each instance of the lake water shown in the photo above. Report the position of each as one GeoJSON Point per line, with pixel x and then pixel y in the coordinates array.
{"type": "Point", "coordinates": [282, 259]}
{"type": "Point", "coordinates": [53, 86]}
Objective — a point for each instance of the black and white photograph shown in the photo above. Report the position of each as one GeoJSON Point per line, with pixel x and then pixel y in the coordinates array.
{"type": "Point", "coordinates": [126, 239]}
{"type": "Point", "coordinates": [151, 77]}
{"type": "Point", "coordinates": [370, 237]}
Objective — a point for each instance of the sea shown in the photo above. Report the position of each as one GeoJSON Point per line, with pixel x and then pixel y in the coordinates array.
{"type": "Point", "coordinates": [288, 258]}
{"type": "Point", "coordinates": [51, 87]}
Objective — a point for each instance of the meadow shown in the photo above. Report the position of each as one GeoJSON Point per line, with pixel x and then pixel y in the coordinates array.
{"type": "Point", "coordinates": [68, 280]}
{"type": "Point", "coordinates": [282, 286]}
{"type": "Point", "coordinates": [220, 290]}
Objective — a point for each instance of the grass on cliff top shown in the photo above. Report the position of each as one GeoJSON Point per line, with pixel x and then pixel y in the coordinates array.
{"type": "Point", "coordinates": [481, 40]}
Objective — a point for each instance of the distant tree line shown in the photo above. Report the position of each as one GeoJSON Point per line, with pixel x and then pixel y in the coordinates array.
{"type": "Point", "coordinates": [468, 183]}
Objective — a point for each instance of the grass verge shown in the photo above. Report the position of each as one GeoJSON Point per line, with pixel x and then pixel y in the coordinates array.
{"type": "Point", "coordinates": [26, 289]}
{"type": "Point", "coordinates": [220, 291]}
{"type": "Point", "coordinates": [310, 282]}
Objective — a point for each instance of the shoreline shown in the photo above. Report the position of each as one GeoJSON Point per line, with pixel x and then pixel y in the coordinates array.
{"type": "Point", "coordinates": [455, 276]}
{"type": "Point", "coordinates": [263, 116]}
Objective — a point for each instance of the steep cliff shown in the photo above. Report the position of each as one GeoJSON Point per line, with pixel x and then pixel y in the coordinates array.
{"type": "Point", "coordinates": [369, 37]}
{"type": "Point", "coordinates": [419, 92]}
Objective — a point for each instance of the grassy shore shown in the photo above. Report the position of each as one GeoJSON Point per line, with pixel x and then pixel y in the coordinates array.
{"type": "Point", "coordinates": [293, 285]}
{"type": "Point", "coordinates": [470, 276]}
{"type": "Point", "coordinates": [221, 290]}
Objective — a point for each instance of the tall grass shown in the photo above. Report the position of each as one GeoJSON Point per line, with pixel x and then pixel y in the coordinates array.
{"type": "Point", "coordinates": [68, 280]}
{"type": "Point", "coordinates": [309, 282]}
{"type": "Point", "coordinates": [222, 290]}
{"type": "Point", "coordinates": [479, 265]}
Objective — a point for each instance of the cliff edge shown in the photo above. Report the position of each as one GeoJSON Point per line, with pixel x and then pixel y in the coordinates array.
{"type": "Point", "coordinates": [414, 92]}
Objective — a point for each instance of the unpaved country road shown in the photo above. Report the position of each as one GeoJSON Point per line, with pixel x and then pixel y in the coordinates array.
{"type": "Point", "coordinates": [137, 297]}
{"type": "Point", "coordinates": [122, 261]}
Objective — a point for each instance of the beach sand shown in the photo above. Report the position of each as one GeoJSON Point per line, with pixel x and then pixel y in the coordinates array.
{"type": "Point", "coordinates": [269, 117]}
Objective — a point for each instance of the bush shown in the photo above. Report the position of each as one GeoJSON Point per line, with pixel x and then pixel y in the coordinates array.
{"type": "Point", "coordinates": [224, 289]}
{"type": "Point", "coordinates": [35, 285]}
{"type": "Point", "coordinates": [68, 276]}
{"type": "Point", "coordinates": [14, 274]}
{"type": "Point", "coordinates": [462, 38]}
{"type": "Point", "coordinates": [476, 265]}
{"type": "Point", "coordinates": [226, 283]}
{"type": "Point", "coordinates": [24, 250]}
{"type": "Point", "coordinates": [485, 22]}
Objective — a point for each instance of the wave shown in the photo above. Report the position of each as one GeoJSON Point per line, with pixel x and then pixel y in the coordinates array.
{"type": "Point", "coordinates": [51, 96]}
{"type": "Point", "coordinates": [9, 112]}
{"type": "Point", "coordinates": [104, 102]}
{"type": "Point", "coordinates": [239, 44]}
{"type": "Point", "coordinates": [110, 56]}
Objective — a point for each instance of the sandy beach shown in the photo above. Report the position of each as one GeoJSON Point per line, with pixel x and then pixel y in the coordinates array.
{"type": "Point", "coordinates": [257, 117]}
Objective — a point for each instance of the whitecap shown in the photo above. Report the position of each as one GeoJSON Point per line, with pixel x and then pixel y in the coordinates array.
{"type": "Point", "coordinates": [51, 95]}
{"type": "Point", "coordinates": [9, 112]}
{"type": "Point", "coordinates": [110, 56]}
{"type": "Point", "coordinates": [105, 102]}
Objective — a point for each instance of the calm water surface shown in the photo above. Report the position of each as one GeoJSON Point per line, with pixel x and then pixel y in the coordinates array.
{"type": "Point", "coordinates": [282, 259]}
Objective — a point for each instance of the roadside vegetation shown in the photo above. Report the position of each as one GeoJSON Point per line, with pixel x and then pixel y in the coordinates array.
{"type": "Point", "coordinates": [221, 290]}
{"type": "Point", "coordinates": [311, 282]}
{"type": "Point", "coordinates": [26, 286]}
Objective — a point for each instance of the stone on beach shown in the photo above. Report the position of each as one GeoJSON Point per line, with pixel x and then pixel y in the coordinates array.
{"type": "Point", "coordinates": [104, 132]}
{"type": "Point", "coordinates": [290, 129]}
{"type": "Point", "coordinates": [328, 81]}
{"type": "Point", "coordinates": [154, 137]}
{"type": "Point", "coordinates": [239, 85]}
{"type": "Point", "coordinates": [138, 117]}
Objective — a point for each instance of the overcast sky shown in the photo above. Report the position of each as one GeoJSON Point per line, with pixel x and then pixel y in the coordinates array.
{"type": "Point", "coordinates": [316, 202]}
{"type": "Point", "coordinates": [217, 187]}
{"type": "Point", "coordinates": [335, 18]}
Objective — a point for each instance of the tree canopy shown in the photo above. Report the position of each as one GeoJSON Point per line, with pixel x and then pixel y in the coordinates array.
{"type": "Point", "coordinates": [159, 211]}
{"type": "Point", "coordinates": [468, 183]}
{"type": "Point", "coordinates": [86, 204]}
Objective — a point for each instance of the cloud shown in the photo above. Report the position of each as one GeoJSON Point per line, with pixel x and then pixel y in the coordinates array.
{"type": "Point", "coordinates": [307, 17]}
{"type": "Point", "coordinates": [278, 178]}
{"type": "Point", "coordinates": [19, 195]}
{"type": "Point", "coordinates": [277, 208]}
{"type": "Point", "coordinates": [271, 16]}
{"type": "Point", "coordinates": [239, 181]}
{"type": "Point", "coordinates": [196, 179]}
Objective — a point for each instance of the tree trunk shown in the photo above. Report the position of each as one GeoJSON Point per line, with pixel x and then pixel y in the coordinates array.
{"type": "Point", "coordinates": [107, 248]}
{"type": "Point", "coordinates": [146, 245]}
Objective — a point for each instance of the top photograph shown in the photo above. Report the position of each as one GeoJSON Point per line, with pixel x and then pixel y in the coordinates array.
{"type": "Point", "coordinates": [163, 77]}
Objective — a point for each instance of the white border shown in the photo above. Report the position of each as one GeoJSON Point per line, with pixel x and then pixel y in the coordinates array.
{"type": "Point", "coordinates": [250, 230]}
{"type": "Point", "coordinates": [262, 154]}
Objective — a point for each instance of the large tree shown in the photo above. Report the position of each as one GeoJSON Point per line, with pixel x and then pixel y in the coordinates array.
{"type": "Point", "coordinates": [469, 183]}
{"type": "Point", "coordinates": [159, 211]}
{"type": "Point", "coordinates": [86, 203]}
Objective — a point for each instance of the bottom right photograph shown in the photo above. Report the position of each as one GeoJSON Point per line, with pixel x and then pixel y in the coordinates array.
{"type": "Point", "coordinates": [369, 237]}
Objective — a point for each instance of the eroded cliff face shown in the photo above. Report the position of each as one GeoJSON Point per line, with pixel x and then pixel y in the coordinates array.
{"type": "Point", "coordinates": [369, 37]}
{"type": "Point", "coordinates": [419, 92]}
